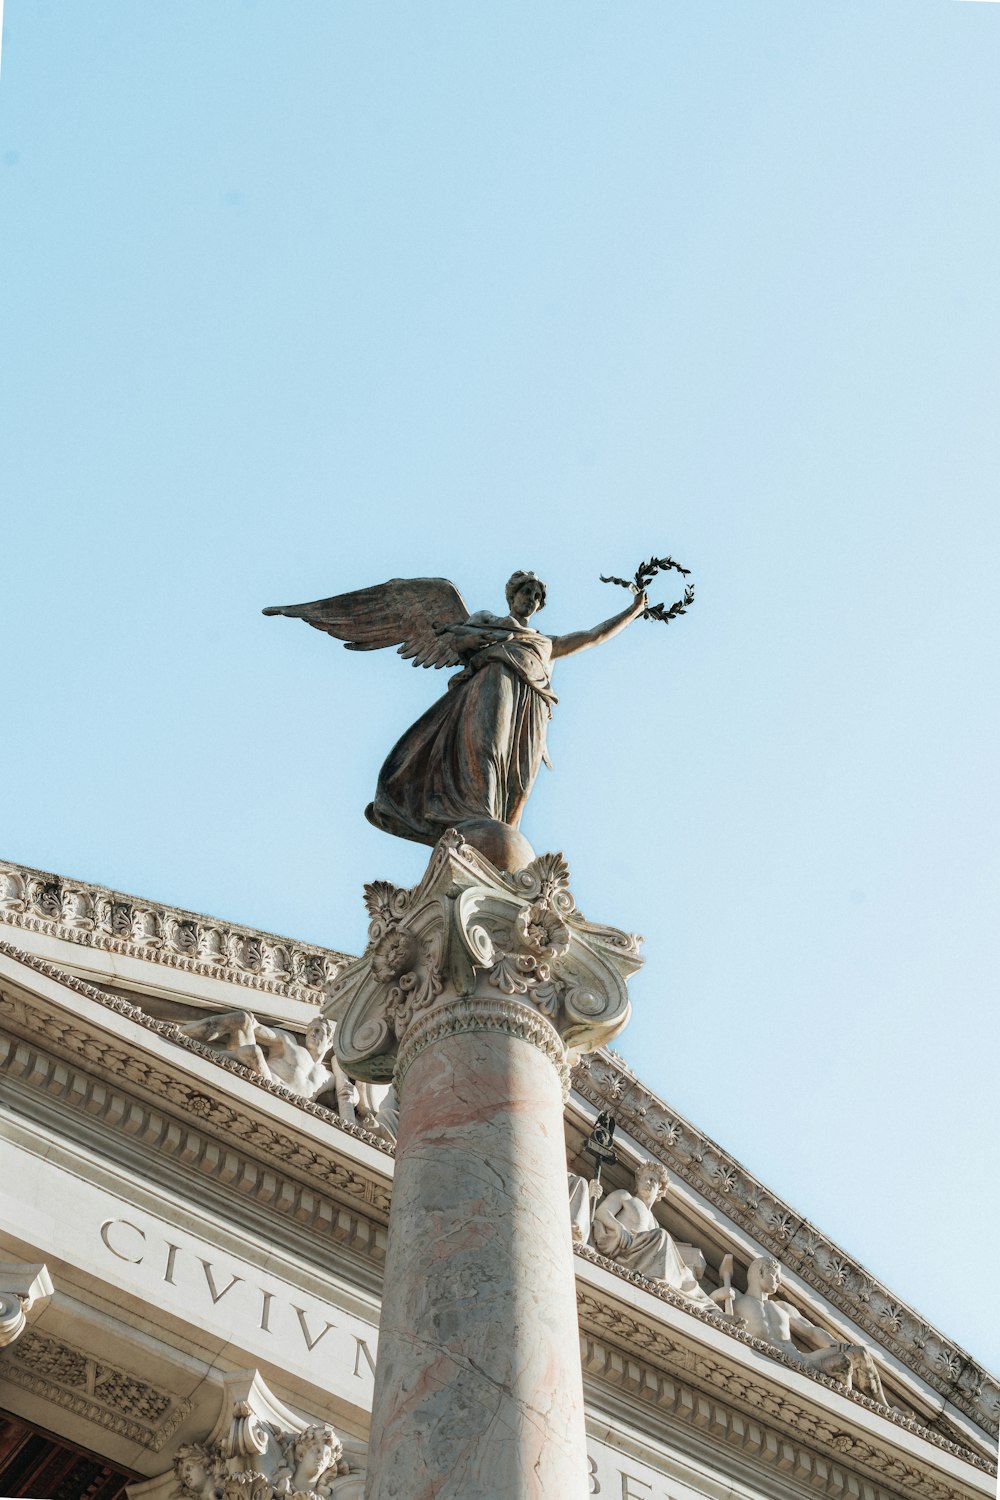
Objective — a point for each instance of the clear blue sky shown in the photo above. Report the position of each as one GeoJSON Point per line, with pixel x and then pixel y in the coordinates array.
{"type": "Point", "coordinates": [300, 296]}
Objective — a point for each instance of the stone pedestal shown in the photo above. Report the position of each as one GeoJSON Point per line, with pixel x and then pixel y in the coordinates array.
{"type": "Point", "coordinates": [475, 993]}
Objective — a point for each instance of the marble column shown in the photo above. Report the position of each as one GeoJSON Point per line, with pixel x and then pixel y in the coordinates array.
{"type": "Point", "coordinates": [476, 992]}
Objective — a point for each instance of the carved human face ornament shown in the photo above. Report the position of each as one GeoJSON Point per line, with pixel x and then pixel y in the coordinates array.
{"type": "Point", "coordinates": [766, 1274]}
{"type": "Point", "coordinates": [649, 1186]}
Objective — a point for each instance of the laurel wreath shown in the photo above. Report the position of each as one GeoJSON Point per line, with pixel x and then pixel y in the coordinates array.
{"type": "Point", "coordinates": [644, 575]}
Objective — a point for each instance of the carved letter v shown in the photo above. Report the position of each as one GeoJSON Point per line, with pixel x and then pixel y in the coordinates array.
{"type": "Point", "coordinates": [310, 1342]}
{"type": "Point", "coordinates": [216, 1295]}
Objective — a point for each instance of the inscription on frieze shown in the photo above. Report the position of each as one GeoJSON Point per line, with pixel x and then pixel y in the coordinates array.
{"type": "Point", "coordinates": [252, 1307]}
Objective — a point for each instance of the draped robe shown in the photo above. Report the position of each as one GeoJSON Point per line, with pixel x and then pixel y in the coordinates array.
{"type": "Point", "coordinates": [475, 753]}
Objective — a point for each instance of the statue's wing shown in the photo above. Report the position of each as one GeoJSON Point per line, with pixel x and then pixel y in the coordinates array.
{"type": "Point", "coordinates": [402, 612]}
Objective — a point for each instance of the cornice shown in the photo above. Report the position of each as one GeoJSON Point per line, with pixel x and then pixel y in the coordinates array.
{"type": "Point", "coordinates": [108, 921]}
{"type": "Point", "coordinates": [712, 1399]}
{"type": "Point", "coordinates": [626, 1327]}
{"type": "Point", "coordinates": [173, 1033]}
{"type": "Point", "coordinates": [210, 1133]}
{"type": "Point", "coordinates": [606, 1082]}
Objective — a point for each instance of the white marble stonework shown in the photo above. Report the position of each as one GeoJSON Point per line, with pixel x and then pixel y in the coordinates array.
{"type": "Point", "coordinates": [260, 1314]}
{"type": "Point", "coordinates": [197, 1222]}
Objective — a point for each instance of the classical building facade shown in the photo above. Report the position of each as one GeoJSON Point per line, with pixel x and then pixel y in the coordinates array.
{"type": "Point", "coordinates": [192, 1249]}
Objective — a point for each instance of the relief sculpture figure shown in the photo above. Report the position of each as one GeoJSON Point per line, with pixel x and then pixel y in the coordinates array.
{"type": "Point", "coordinates": [776, 1322]}
{"type": "Point", "coordinates": [471, 760]}
{"type": "Point", "coordinates": [308, 1068]}
{"type": "Point", "coordinates": [626, 1231]}
{"type": "Point", "coordinates": [312, 1461]}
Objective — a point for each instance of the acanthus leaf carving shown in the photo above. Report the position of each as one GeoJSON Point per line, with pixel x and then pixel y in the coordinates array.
{"type": "Point", "coordinates": [469, 931]}
{"type": "Point", "coordinates": [259, 1449]}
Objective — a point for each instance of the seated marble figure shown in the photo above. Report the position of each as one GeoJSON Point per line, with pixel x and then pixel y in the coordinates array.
{"type": "Point", "coordinates": [626, 1231]}
{"type": "Point", "coordinates": [776, 1323]}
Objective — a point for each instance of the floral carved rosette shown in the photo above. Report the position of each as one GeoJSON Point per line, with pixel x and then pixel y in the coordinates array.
{"type": "Point", "coordinates": [471, 932]}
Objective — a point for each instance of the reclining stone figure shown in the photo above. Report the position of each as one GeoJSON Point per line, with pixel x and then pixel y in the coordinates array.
{"type": "Point", "coordinates": [279, 1055]}
{"type": "Point", "coordinates": [776, 1322]}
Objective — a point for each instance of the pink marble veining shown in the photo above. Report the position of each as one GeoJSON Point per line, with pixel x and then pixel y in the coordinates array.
{"type": "Point", "coordinates": [478, 1391]}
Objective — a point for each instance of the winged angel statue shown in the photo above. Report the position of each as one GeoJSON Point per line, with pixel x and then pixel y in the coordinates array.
{"type": "Point", "coordinates": [470, 761]}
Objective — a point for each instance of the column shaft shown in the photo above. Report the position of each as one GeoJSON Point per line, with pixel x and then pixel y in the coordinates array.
{"type": "Point", "coordinates": [478, 1390]}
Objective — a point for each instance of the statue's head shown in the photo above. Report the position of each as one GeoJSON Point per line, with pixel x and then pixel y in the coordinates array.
{"type": "Point", "coordinates": [763, 1276]}
{"type": "Point", "coordinates": [319, 1036]}
{"type": "Point", "coordinates": [317, 1449]}
{"type": "Point", "coordinates": [525, 594]}
{"type": "Point", "coordinates": [195, 1466]}
{"type": "Point", "coordinates": [652, 1176]}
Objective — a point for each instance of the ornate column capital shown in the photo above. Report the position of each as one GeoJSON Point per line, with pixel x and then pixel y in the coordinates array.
{"type": "Point", "coordinates": [497, 946]}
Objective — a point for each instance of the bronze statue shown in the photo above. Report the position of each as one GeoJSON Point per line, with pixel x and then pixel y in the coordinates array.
{"type": "Point", "coordinates": [470, 761]}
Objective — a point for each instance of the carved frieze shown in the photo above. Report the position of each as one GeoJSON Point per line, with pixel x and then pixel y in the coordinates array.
{"type": "Point", "coordinates": [93, 1388]}
{"type": "Point", "coordinates": [224, 1115]}
{"type": "Point", "coordinates": [712, 1372]}
{"type": "Point", "coordinates": [60, 1031]}
{"type": "Point", "coordinates": [706, 1395]}
{"type": "Point", "coordinates": [116, 923]}
{"type": "Point", "coordinates": [502, 944]}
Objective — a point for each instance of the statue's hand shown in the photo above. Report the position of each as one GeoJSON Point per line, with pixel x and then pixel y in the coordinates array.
{"type": "Point", "coordinates": [641, 604]}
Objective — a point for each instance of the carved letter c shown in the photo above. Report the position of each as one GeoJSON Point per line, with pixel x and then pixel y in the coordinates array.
{"type": "Point", "coordinates": [133, 1260]}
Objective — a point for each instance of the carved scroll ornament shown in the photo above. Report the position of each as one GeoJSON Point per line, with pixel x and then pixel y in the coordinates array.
{"type": "Point", "coordinates": [471, 933]}
{"type": "Point", "coordinates": [258, 1450]}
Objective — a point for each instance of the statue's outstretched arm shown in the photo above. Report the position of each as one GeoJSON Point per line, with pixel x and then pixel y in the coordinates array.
{"type": "Point", "coordinates": [810, 1333]}
{"type": "Point", "coordinates": [403, 612]}
{"type": "Point", "coordinates": [579, 640]}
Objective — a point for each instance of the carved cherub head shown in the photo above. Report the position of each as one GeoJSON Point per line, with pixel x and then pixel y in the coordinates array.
{"type": "Point", "coordinates": [313, 1459]}
{"type": "Point", "coordinates": [652, 1181]}
{"type": "Point", "coordinates": [319, 1036]}
{"type": "Point", "coordinates": [525, 593]}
